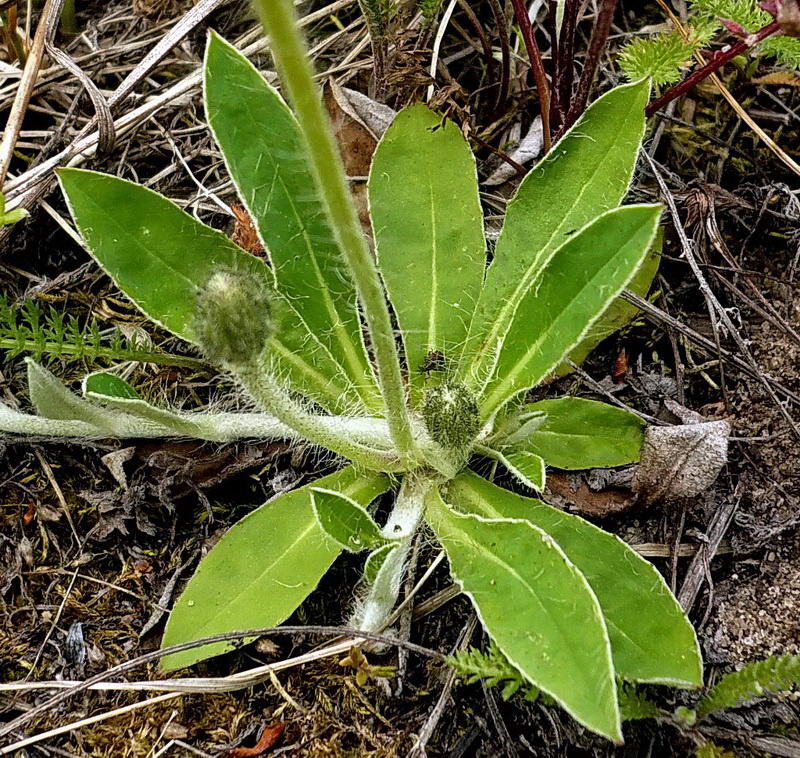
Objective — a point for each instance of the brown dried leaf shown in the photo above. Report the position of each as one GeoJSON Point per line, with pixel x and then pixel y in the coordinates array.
{"type": "Point", "coordinates": [572, 492]}
{"type": "Point", "coordinates": [269, 738]}
{"type": "Point", "coordinates": [681, 461]}
{"type": "Point", "coordinates": [244, 233]}
{"type": "Point", "coordinates": [356, 145]}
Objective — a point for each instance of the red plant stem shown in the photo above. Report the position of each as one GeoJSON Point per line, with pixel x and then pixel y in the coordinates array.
{"type": "Point", "coordinates": [565, 70]}
{"type": "Point", "coordinates": [597, 44]}
{"type": "Point", "coordinates": [556, 109]}
{"type": "Point", "coordinates": [505, 56]}
{"type": "Point", "coordinates": [521, 14]}
{"type": "Point", "coordinates": [718, 61]}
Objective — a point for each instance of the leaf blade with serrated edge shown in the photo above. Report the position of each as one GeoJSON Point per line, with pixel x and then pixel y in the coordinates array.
{"type": "Point", "coordinates": [263, 151]}
{"type": "Point", "coordinates": [578, 434]}
{"type": "Point", "coordinates": [587, 173]}
{"type": "Point", "coordinates": [346, 522]}
{"type": "Point", "coordinates": [262, 569]}
{"type": "Point", "coordinates": [428, 225]}
{"type": "Point", "coordinates": [537, 607]}
{"type": "Point", "coordinates": [161, 257]}
{"type": "Point", "coordinates": [651, 638]}
{"type": "Point", "coordinates": [580, 280]}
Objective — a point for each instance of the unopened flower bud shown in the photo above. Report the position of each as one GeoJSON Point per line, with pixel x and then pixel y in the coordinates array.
{"type": "Point", "coordinates": [234, 317]}
{"type": "Point", "coordinates": [451, 415]}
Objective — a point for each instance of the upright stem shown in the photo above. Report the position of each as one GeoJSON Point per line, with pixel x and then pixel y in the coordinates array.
{"type": "Point", "coordinates": [717, 62]}
{"type": "Point", "coordinates": [537, 67]}
{"type": "Point", "coordinates": [565, 70]}
{"type": "Point", "coordinates": [597, 43]}
{"type": "Point", "coordinates": [289, 53]}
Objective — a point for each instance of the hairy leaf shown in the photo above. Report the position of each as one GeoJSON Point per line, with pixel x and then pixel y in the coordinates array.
{"type": "Point", "coordinates": [428, 227]}
{"type": "Point", "coordinates": [581, 279]}
{"type": "Point", "coordinates": [584, 175]}
{"type": "Point", "coordinates": [262, 568]}
{"type": "Point", "coordinates": [161, 257]}
{"type": "Point", "coordinates": [526, 467]}
{"type": "Point", "coordinates": [651, 638]}
{"type": "Point", "coordinates": [345, 521]}
{"type": "Point", "coordinates": [264, 152]}
{"type": "Point", "coordinates": [375, 561]}
{"type": "Point", "coordinates": [537, 607]}
{"type": "Point", "coordinates": [578, 434]}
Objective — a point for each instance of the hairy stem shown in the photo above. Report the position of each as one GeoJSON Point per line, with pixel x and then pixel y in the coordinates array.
{"type": "Point", "coordinates": [288, 50]}
{"type": "Point", "coordinates": [402, 525]}
{"type": "Point", "coordinates": [717, 62]}
{"type": "Point", "coordinates": [270, 395]}
{"type": "Point", "coordinates": [537, 67]}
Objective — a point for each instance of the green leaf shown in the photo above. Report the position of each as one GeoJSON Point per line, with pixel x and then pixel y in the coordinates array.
{"type": "Point", "coordinates": [428, 224]}
{"type": "Point", "coordinates": [620, 313]}
{"type": "Point", "coordinates": [526, 467]}
{"type": "Point", "coordinates": [345, 521]}
{"type": "Point", "coordinates": [778, 673]}
{"type": "Point", "coordinates": [161, 257]}
{"type": "Point", "coordinates": [587, 173]}
{"type": "Point", "coordinates": [262, 569]}
{"type": "Point", "coordinates": [578, 434]}
{"type": "Point", "coordinates": [581, 279]}
{"type": "Point", "coordinates": [53, 400]}
{"type": "Point", "coordinates": [375, 561]}
{"type": "Point", "coordinates": [651, 638]}
{"type": "Point", "coordinates": [103, 384]}
{"type": "Point", "coordinates": [264, 152]}
{"type": "Point", "coordinates": [538, 608]}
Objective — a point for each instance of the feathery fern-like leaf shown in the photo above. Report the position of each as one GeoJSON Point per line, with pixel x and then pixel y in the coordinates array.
{"type": "Point", "coordinates": [50, 334]}
{"type": "Point", "coordinates": [493, 669]}
{"type": "Point", "coordinates": [755, 680]}
{"type": "Point", "coordinates": [634, 706]}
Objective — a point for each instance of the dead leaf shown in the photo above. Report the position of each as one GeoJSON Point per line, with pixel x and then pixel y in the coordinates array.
{"type": "Point", "coordinates": [620, 370]}
{"type": "Point", "coordinates": [781, 78]}
{"type": "Point", "coordinates": [29, 515]}
{"type": "Point", "coordinates": [244, 233]}
{"type": "Point", "coordinates": [375, 117]}
{"type": "Point", "coordinates": [356, 146]}
{"type": "Point", "coordinates": [115, 462]}
{"type": "Point", "coordinates": [681, 461]}
{"type": "Point", "coordinates": [269, 738]}
{"type": "Point", "coordinates": [572, 492]}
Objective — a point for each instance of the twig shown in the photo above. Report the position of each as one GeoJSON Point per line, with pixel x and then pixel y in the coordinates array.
{"type": "Point", "coordinates": [418, 750]}
{"type": "Point", "coordinates": [25, 88]}
{"type": "Point", "coordinates": [87, 722]}
{"type": "Point", "coordinates": [238, 681]}
{"type": "Point", "coordinates": [537, 67]}
{"type": "Point", "coordinates": [713, 303]}
{"type": "Point", "coordinates": [732, 101]}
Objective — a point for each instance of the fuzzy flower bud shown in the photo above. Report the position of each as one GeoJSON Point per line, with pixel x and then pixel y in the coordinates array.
{"type": "Point", "coordinates": [233, 318]}
{"type": "Point", "coordinates": [451, 415]}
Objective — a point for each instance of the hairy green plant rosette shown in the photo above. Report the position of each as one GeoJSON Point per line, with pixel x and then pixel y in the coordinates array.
{"type": "Point", "coordinates": [572, 607]}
